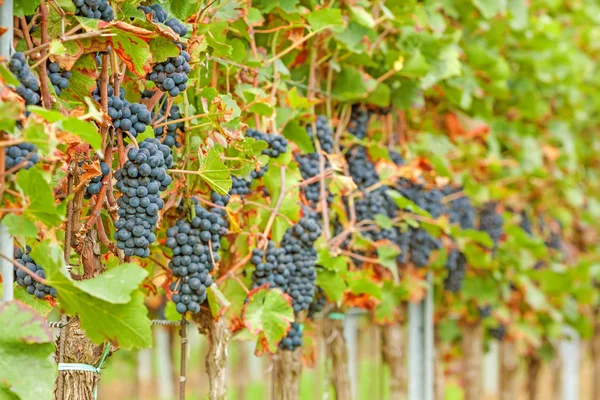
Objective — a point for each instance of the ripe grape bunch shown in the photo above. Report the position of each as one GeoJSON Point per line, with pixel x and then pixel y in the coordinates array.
{"type": "Point", "coordinates": [96, 9]}
{"type": "Point", "coordinates": [361, 169]}
{"type": "Point", "coordinates": [276, 144]}
{"type": "Point", "coordinates": [96, 183]}
{"type": "Point", "coordinates": [293, 339]}
{"type": "Point", "coordinates": [129, 117]}
{"type": "Point", "coordinates": [195, 246]}
{"type": "Point", "coordinates": [491, 222]}
{"type": "Point", "coordinates": [359, 120]}
{"type": "Point", "coordinates": [456, 264]}
{"type": "Point", "coordinates": [161, 16]}
{"type": "Point", "coordinates": [460, 210]}
{"type": "Point", "coordinates": [29, 85]}
{"type": "Point", "coordinates": [369, 206]}
{"type": "Point", "coordinates": [324, 134]}
{"type": "Point", "coordinates": [140, 181]}
{"type": "Point", "coordinates": [168, 133]}
{"type": "Point", "coordinates": [23, 279]}
{"type": "Point", "coordinates": [58, 78]}
{"type": "Point", "coordinates": [20, 153]}
{"type": "Point", "coordinates": [170, 76]}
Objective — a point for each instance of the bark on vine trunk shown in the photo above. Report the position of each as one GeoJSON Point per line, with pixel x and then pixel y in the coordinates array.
{"type": "Point", "coordinates": [472, 346]}
{"type": "Point", "coordinates": [393, 356]}
{"type": "Point", "coordinates": [556, 372]}
{"type": "Point", "coordinates": [509, 368]}
{"type": "Point", "coordinates": [219, 337]}
{"type": "Point", "coordinates": [596, 360]}
{"type": "Point", "coordinates": [288, 371]}
{"type": "Point", "coordinates": [333, 331]}
{"type": "Point", "coordinates": [79, 385]}
{"type": "Point", "coordinates": [534, 366]}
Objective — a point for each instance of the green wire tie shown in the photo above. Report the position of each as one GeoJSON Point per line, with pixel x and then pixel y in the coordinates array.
{"type": "Point", "coordinates": [86, 367]}
{"type": "Point", "coordinates": [337, 315]}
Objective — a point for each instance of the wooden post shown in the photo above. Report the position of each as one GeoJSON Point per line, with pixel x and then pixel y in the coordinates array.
{"type": "Point", "coordinates": [534, 366]}
{"type": "Point", "coordinates": [509, 368]}
{"type": "Point", "coordinates": [596, 360]}
{"type": "Point", "coordinates": [393, 356]}
{"type": "Point", "coordinates": [288, 371]}
{"type": "Point", "coordinates": [337, 351]}
{"type": "Point", "coordinates": [472, 346]}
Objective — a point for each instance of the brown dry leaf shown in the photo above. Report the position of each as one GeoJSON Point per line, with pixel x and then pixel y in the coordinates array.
{"type": "Point", "coordinates": [551, 153]}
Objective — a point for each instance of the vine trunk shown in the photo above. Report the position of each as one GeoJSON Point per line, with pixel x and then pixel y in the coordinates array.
{"type": "Point", "coordinates": [288, 371]}
{"type": "Point", "coordinates": [472, 346]}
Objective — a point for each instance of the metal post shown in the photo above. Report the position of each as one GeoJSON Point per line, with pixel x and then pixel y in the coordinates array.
{"type": "Point", "coordinates": [570, 355]}
{"type": "Point", "coordinates": [421, 351]}
{"type": "Point", "coordinates": [6, 267]}
{"type": "Point", "coordinates": [351, 334]}
{"type": "Point", "coordinates": [6, 241]}
{"type": "Point", "coordinates": [490, 370]}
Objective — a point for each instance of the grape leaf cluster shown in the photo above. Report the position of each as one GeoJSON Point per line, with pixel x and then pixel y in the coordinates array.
{"type": "Point", "coordinates": [195, 244]}
{"type": "Point", "coordinates": [96, 9]}
{"type": "Point", "coordinates": [140, 181]}
{"type": "Point", "coordinates": [23, 279]}
{"type": "Point", "coordinates": [29, 85]}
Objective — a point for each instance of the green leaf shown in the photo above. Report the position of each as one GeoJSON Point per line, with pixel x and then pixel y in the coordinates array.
{"type": "Point", "coordinates": [183, 9]}
{"type": "Point", "coordinates": [362, 16]}
{"type": "Point", "coordinates": [19, 225]}
{"type": "Point", "coordinates": [41, 200]}
{"type": "Point", "coordinates": [294, 132]}
{"type": "Point", "coordinates": [296, 101]}
{"type": "Point", "coordinates": [41, 306]}
{"type": "Point", "coordinates": [85, 130]}
{"type": "Point", "coordinates": [115, 285]}
{"type": "Point", "coordinates": [25, 7]}
{"type": "Point", "coordinates": [380, 96]}
{"type": "Point", "coordinates": [350, 84]}
{"type": "Point", "coordinates": [332, 284]}
{"type": "Point", "coordinates": [325, 17]}
{"type": "Point", "coordinates": [387, 258]}
{"type": "Point", "coordinates": [361, 284]}
{"type": "Point", "coordinates": [26, 346]}
{"type": "Point", "coordinates": [214, 172]}
{"type": "Point", "coordinates": [126, 325]}
{"type": "Point", "coordinates": [162, 48]}
{"type": "Point", "coordinates": [490, 8]}
{"type": "Point", "coordinates": [35, 132]}
{"type": "Point", "coordinates": [147, 134]}
{"type": "Point", "coordinates": [269, 313]}
{"type": "Point", "coordinates": [133, 50]}
{"type": "Point", "coordinates": [8, 77]}
{"type": "Point", "coordinates": [262, 108]}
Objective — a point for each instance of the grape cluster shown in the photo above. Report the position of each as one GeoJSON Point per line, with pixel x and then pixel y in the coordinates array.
{"type": "Point", "coordinates": [96, 9]}
{"type": "Point", "coordinates": [171, 75]}
{"type": "Point", "coordinates": [168, 133]}
{"type": "Point", "coordinates": [324, 134]}
{"type": "Point", "coordinates": [130, 117]}
{"type": "Point", "coordinates": [96, 183]}
{"type": "Point", "coordinates": [456, 265]}
{"type": "Point", "coordinates": [58, 78]}
{"type": "Point", "coordinates": [32, 286]}
{"type": "Point", "coordinates": [460, 210]}
{"type": "Point", "coordinates": [484, 311]}
{"type": "Point", "coordinates": [491, 222]}
{"type": "Point", "coordinates": [361, 169]}
{"type": "Point", "coordinates": [291, 267]}
{"type": "Point", "coordinates": [318, 304]}
{"type": "Point", "coordinates": [140, 181]}
{"type": "Point", "coordinates": [19, 153]}
{"type": "Point", "coordinates": [422, 243]}
{"type": "Point", "coordinates": [397, 158]}
{"type": "Point", "coordinates": [371, 204]}
{"type": "Point", "coordinates": [309, 168]}
{"type": "Point", "coordinates": [498, 332]}
{"type": "Point", "coordinates": [359, 120]}
{"type": "Point", "coordinates": [277, 144]}
{"type": "Point", "coordinates": [157, 12]}
{"type": "Point", "coordinates": [29, 85]}
{"type": "Point", "coordinates": [403, 239]}
{"type": "Point", "coordinates": [160, 15]}
{"type": "Point", "coordinates": [525, 223]}
{"type": "Point", "coordinates": [195, 244]}
{"type": "Point", "coordinates": [293, 339]}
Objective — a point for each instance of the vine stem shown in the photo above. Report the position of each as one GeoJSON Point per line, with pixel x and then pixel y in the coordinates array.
{"type": "Point", "coordinates": [277, 205]}
{"type": "Point", "coordinates": [46, 99]}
